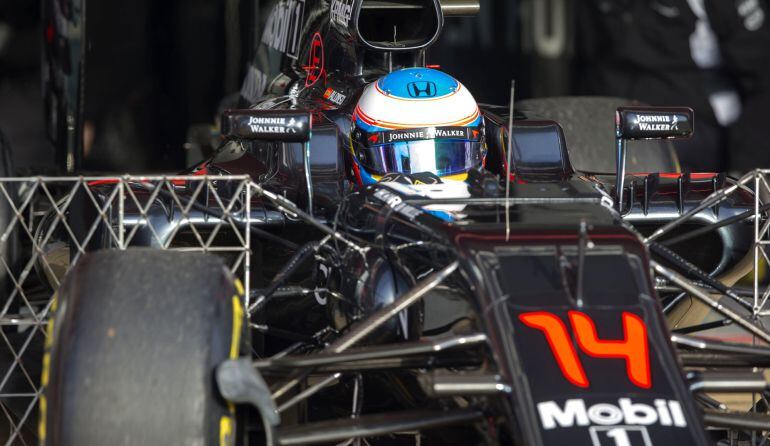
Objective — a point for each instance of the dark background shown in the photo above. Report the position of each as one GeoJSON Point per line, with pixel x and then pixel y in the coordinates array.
{"type": "Point", "coordinates": [157, 71]}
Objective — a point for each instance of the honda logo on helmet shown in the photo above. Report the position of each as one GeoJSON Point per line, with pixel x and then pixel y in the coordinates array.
{"type": "Point", "coordinates": [422, 89]}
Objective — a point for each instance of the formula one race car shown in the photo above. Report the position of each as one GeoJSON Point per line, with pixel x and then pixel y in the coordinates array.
{"type": "Point", "coordinates": [416, 268]}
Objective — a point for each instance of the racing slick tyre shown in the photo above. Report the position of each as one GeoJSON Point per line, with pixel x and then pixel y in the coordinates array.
{"type": "Point", "coordinates": [589, 130]}
{"type": "Point", "coordinates": [132, 348]}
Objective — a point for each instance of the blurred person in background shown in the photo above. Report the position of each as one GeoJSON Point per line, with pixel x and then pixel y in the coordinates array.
{"type": "Point", "coordinates": [709, 54]}
{"type": "Point", "coordinates": [743, 30]}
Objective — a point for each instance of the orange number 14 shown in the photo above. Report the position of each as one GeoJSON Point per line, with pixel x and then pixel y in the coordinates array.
{"type": "Point", "coordinates": [632, 348]}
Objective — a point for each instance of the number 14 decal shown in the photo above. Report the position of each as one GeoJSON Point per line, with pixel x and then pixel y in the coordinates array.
{"type": "Point", "coordinates": [633, 347]}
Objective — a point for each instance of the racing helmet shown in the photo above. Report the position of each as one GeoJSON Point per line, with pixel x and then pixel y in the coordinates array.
{"type": "Point", "coordinates": [416, 121]}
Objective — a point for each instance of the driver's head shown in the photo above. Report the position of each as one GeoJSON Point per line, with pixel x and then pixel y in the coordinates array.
{"type": "Point", "coordinates": [416, 120]}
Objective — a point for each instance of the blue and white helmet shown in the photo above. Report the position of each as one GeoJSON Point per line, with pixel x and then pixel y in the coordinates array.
{"type": "Point", "coordinates": [417, 120]}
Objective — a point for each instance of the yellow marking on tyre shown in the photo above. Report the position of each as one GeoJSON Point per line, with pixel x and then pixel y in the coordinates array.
{"type": "Point", "coordinates": [226, 431]}
{"type": "Point", "coordinates": [45, 373]}
{"type": "Point", "coordinates": [49, 325]}
{"type": "Point", "coordinates": [237, 327]}
{"type": "Point", "coordinates": [235, 340]}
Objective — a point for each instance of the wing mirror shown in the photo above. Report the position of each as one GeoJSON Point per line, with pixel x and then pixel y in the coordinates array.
{"type": "Point", "coordinates": [634, 123]}
{"type": "Point", "coordinates": [654, 122]}
{"type": "Point", "coordinates": [273, 125]}
{"type": "Point", "coordinates": [267, 125]}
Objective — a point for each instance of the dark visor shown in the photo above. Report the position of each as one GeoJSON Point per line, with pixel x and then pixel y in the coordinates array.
{"type": "Point", "coordinates": [441, 157]}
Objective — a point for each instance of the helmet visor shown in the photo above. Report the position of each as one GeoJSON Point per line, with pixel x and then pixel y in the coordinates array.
{"type": "Point", "coordinates": [439, 156]}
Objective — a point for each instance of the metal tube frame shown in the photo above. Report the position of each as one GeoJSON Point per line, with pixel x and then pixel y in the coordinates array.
{"type": "Point", "coordinates": [704, 297]}
{"type": "Point", "coordinates": [374, 352]}
{"type": "Point", "coordinates": [366, 326]}
{"type": "Point", "coordinates": [758, 177]}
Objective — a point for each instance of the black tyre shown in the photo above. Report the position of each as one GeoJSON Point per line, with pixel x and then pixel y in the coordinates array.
{"type": "Point", "coordinates": [132, 351]}
{"type": "Point", "coordinates": [589, 130]}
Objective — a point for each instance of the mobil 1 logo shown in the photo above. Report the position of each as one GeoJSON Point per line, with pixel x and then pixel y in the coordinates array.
{"type": "Point", "coordinates": [340, 12]}
{"type": "Point", "coordinates": [576, 412]}
{"type": "Point", "coordinates": [625, 422]}
{"type": "Point", "coordinates": [284, 26]}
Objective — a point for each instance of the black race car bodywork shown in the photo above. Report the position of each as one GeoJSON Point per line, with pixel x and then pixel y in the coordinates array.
{"type": "Point", "coordinates": [526, 316]}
